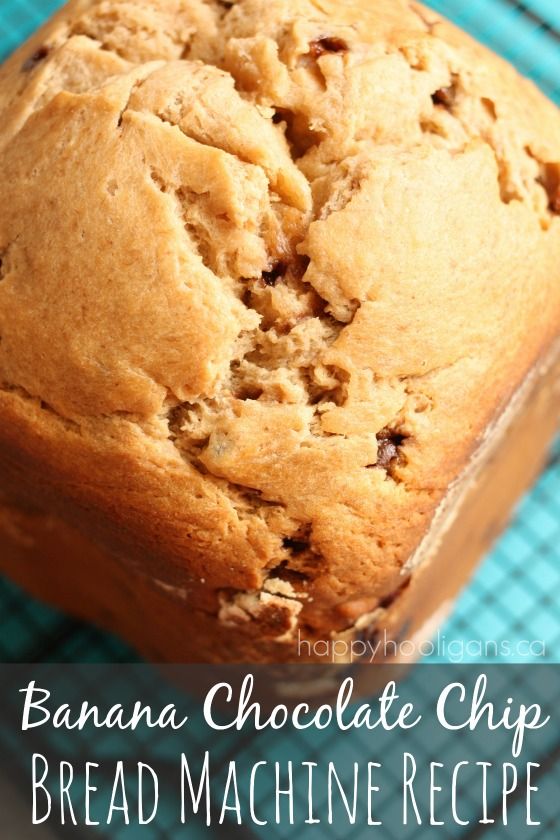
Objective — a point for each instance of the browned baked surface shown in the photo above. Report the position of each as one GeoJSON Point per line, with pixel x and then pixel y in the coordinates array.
{"type": "Point", "coordinates": [268, 273]}
{"type": "Point", "coordinates": [53, 561]}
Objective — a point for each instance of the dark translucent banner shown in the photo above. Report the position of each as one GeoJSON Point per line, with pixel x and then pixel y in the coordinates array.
{"type": "Point", "coordinates": [455, 751]}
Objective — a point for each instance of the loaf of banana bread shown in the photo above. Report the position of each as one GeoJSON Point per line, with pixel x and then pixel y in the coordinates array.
{"type": "Point", "coordinates": [279, 310]}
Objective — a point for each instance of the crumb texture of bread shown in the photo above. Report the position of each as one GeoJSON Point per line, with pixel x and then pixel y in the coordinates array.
{"type": "Point", "coordinates": [268, 271]}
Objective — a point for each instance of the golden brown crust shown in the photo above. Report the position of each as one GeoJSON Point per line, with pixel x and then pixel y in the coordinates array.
{"type": "Point", "coordinates": [177, 622]}
{"type": "Point", "coordinates": [268, 273]}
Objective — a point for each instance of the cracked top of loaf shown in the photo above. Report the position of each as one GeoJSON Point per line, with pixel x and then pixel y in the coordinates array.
{"type": "Point", "coordinates": [269, 270]}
